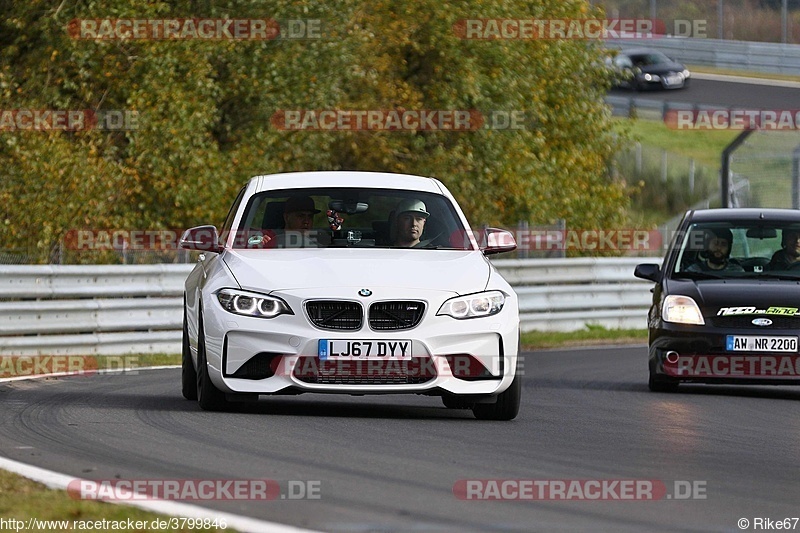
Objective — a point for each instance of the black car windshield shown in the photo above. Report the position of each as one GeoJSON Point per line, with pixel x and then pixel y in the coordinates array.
{"type": "Point", "coordinates": [650, 58]}
{"type": "Point", "coordinates": [739, 250]}
{"type": "Point", "coordinates": [334, 217]}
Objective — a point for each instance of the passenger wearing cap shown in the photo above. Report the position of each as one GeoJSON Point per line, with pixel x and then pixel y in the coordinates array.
{"type": "Point", "coordinates": [410, 222]}
{"type": "Point", "coordinates": [298, 213]}
{"type": "Point", "coordinates": [717, 253]}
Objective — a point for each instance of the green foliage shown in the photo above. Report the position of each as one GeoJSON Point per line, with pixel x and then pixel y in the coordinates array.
{"type": "Point", "coordinates": [205, 108]}
{"type": "Point", "coordinates": [664, 198]}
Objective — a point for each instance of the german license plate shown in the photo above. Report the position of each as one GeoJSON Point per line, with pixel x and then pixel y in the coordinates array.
{"type": "Point", "coordinates": [760, 343]}
{"type": "Point", "coordinates": [373, 349]}
{"type": "Point", "coordinates": [672, 80]}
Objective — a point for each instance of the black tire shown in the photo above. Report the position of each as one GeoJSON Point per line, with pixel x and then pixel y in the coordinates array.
{"type": "Point", "coordinates": [660, 384]}
{"type": "Point", "coordinates": [209, 397]}
{"type": "Point", "coordinates": [188, 372]}
{"type": "Point", "coordinates": [506, 407]}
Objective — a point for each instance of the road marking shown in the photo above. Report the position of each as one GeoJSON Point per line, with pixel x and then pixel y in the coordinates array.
{"type": "Point", "coordinates": [73, 374]}
{"type": "Point", "coordinates": [55, 480]}
{"type": "Point", "coordinates": [743, 79]}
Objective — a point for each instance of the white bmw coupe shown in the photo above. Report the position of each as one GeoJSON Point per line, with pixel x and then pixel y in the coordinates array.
{"type": "Point", "coordinates": [350, 283]}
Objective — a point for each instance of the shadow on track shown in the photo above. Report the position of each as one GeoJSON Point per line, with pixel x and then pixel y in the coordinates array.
{"type": "Point", "coordinates": [775, 392]}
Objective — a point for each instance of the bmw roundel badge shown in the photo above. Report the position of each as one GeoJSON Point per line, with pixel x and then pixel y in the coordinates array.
{"type": "Point", "coordinates": [365, 292]}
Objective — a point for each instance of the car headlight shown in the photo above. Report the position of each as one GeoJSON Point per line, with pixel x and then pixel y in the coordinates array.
{"type": "Point", "coordinates": [686, 74]}
{"type": "Point", "coordinates": [252, 304]}
{"type": "Point", "coordinates": [681, 310]}
{"type": "Point", "coordinates": [474, 305]}
{"type": "Point", "coordinates": [651, 77]}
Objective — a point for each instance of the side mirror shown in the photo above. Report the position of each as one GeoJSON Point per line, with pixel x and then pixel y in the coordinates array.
{"type": "Point", "coordinates": [201, 238]}
{"type": "Point", "coordinates": [648, 271]}
{"type": "Point", "coordinates": [498, 241]}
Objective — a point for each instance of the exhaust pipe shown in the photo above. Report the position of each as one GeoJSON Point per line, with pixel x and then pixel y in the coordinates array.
{"type": "Point", "coordinates": [672, 357]}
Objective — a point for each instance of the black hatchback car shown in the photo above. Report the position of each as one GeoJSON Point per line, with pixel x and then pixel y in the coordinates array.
{"type": "Point", "coordinates": [726, 304]}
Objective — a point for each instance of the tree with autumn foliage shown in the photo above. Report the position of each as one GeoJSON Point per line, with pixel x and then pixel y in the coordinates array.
{"type": "Point", "coordinates": [205, 112]}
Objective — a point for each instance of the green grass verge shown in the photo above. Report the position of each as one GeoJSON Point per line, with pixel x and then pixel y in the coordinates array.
{"type": "Point", "coordinates": [705, 147]}
{"type": "Point", "coordinates": [592, 335]}
{"type": "Point", "coordinates": [22, 499]}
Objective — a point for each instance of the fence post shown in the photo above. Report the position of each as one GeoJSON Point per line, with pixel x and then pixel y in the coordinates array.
{"type": "Point", "coordinates": [796, 178]}
{"type": "Point", "coordinates": [561, 225]}
{"type": "Point", "coordinates": [522, 229]}
{"type": "Point", "coordinates": [725, 171]}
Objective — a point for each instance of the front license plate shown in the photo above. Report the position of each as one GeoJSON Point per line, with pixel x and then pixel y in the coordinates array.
{"type": "Point", "coordinates": [760, 343]}
{"type": "Point", "coordinates": [378, 349]}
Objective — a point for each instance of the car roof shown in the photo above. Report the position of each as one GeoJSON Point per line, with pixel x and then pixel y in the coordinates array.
{"type": "Point", "coordinates": [638, 51]}
{"type": "Point", "coordinates": [744, 214]}
{"type": "Point", "coordinates": [345, 178]}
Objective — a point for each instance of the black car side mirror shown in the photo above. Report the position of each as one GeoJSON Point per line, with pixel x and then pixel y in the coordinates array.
{"type": "Point", "coordinates": [648, 271]}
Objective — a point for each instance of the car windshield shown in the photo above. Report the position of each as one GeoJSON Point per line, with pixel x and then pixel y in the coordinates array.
{"type": "Point", "coordinates": [768, 251]}
{"type": "Point", "coordinates": [343, 217]}
{"type": "Point", "coordinates": [650, 58]}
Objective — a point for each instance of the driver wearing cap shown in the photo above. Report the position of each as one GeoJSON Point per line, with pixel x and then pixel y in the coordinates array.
{"type": "Point", "coordinates": [411, 217]}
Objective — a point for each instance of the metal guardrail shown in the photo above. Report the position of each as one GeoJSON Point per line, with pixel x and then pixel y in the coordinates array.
{"type": "Point", "coordinates": [774, 58]}
{"type": "Point", "coordinates": [129, 309]}
{"type": "Point", "coordinates": [652, 109]}
{"type": "Point", "coordinates": [91, 310]}
{"type": "Point", "coordinates": [569, 294]}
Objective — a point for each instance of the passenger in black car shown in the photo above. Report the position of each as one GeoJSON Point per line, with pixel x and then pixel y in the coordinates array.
{"type": "Point", "coordinates": [788, 257]}
{"type": "Point", "coordinates": [717, 253]}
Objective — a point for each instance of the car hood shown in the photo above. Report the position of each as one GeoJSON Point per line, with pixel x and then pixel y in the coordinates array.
{"type": "Point", "coordinates": [456, 271]}
{"type": "Point", "coordinates": [711, 295]}
{"type": "Point", "coordinates": [662, 68]}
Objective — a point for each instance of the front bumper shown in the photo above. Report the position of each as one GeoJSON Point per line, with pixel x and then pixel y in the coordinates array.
{"type": "Point", "coordinates": [699, 354]}
{"type": "Point", "coordinates": [281, 355]}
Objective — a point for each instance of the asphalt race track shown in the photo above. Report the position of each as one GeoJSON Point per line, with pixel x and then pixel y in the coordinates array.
{"type": "Point", "coordinates": [747, 94]}
{"type": "Point", "coordinates": [390, 463]}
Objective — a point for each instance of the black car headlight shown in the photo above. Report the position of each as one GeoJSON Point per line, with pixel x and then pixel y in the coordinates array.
{"type": "Point", "coordinates": [681, 310]}
{"type": "Point", "coordinates": [252, 304]}
{"type": "Point", "coordinates": [474, 305]}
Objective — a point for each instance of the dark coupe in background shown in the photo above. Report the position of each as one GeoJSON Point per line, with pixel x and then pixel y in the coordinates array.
{"type": "Point", "coordinates": [644, 68]}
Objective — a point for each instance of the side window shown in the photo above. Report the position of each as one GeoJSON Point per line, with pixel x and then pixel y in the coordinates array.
{"type": "Point", "coordinates": [228, 224]}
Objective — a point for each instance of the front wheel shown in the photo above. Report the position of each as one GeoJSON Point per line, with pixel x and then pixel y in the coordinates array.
{"type": "Point", "coordinates": [506, 407]}
{"type": "Point", "coordinates": [209, 397]}
{"type": "Point", "coordinates": [188, 372]}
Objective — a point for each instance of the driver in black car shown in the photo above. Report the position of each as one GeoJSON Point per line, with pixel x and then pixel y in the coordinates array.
{"type": "Point", "coordinates": [787, 257]}
{"type": "Point", "coordinates": [717, 253]}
